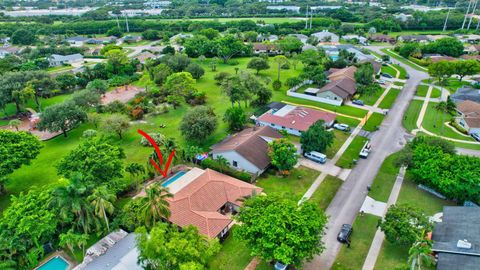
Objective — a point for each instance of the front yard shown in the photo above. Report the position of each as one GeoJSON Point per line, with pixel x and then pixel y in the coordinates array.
{"type": "Point", "coordinates": [352, 152]}
{"type": "Point", "coordinates": [373, 123]}
{"type": "Point", "coordinates": [326, 191]}
{"type": "Point", "coordinates": [411, 115]}
{"type": "Point", "coordinates": [423, 89]}
{"type": "Point", "coordinates": [389, 99]}
{"type": "Point", "coordinates": [434, 121]}
{"type": "Point", "coordinates": [340, 138]}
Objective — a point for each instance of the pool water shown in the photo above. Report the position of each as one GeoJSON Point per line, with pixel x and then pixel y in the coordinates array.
{"type": "Point", "coordinates": [55, 263]}
{"type": "Point", "coordinates": [173, 178]}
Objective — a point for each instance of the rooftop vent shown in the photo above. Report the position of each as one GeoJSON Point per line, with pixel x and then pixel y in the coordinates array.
{"type": "Point", "coordinates": [464, 244]}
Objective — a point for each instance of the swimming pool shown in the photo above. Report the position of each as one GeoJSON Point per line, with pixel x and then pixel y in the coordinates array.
{"type": "Point", "coordinates": [55, 263]}
{"type": "Point", "coordinates": [173, 178]}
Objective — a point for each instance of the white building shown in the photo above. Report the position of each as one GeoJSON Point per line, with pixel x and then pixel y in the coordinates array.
{"type": "Point", "coordinates": [56, 60]}
{"type": "Point", "coordinates": [326, 36]}
{"type": "Point", "coordinates": [77, 41]}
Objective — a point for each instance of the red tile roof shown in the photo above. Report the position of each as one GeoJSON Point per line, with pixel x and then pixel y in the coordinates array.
{"type": "Point", "coordinates": [198, 203]}
{"type": "Point", "coordinates": [299, 118]}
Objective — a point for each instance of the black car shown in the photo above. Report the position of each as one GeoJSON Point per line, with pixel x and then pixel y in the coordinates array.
{"type": "Point", "coordinates": [344, 234]}
{"type": "Point", "coordinates": [357, 102]}
{"type": "Point", "coordinates": [386, 75]}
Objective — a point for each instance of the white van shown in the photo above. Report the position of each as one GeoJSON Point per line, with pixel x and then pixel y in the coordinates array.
{"type": "Point", "coordinates": [316, 156]}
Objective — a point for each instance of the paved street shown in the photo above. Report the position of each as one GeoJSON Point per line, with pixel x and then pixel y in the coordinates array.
{"type": "Point", "coordinates": [348, 200]}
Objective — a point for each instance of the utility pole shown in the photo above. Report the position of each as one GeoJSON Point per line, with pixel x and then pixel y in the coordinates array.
{"type": "Point", "coordinates": [118, 23]}
{"type": "Point", "coordinates": [306, 18]}
{"type": "Point", "coordinates": [448, 15]}
{"type": "Point", "coordinates": [473, 13]}
{"type": "Point", "coordinates": [466, 13]}
{"type": "Point", "coordinates": [311, 17]}
{"type": "Point", "coordinates": [126, 22]}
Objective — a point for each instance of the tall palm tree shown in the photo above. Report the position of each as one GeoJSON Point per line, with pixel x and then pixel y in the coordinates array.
{"type": "Point", "coordinates": [155, 204]}
{"type": "Point", "coordinates": [73, 204]}
{"type": "Point", "coordinates": [102, 202]}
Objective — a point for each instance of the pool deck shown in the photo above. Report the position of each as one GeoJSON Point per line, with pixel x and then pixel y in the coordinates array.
{"type": "Point", "coordinates": [61, 253]}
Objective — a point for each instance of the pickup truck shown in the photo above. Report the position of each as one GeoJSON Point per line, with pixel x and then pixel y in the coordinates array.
{"type": "Point", "coordinates": [365, 150]}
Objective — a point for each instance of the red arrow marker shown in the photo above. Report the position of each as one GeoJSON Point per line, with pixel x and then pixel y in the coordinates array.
{"type": "Point", "coordinates": [159, 154]}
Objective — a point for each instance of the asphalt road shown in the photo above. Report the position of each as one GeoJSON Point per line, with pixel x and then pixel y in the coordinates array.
{"type": "Point", "coordinates": [347, 202]}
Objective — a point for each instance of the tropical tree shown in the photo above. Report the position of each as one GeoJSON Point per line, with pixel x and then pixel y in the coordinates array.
{"type": "Point", "coordinates": [290, 44]}
{"type": "Point", "coordinates": [228, 46]}
{"type": "Point", "coordinates": [364, 74]}
{"type": "Point", "coordinates": [102, 201]}
{"type": "Point", "coordinates": [235, 117]}
{"type": "Point", "coordinates": [155, 204]}
{"type": "Point", "coordinates": [442, 70]}
{"type": "Point", "coordinates": [62, 117]}
{"type": "Point", "coordinates": [98, 86]}
{"type": "Point", "coordinates": [258, 64]}
{"type": "Point", "coordinates": [116, 123]}
{"type": "Point", "coordinates": [466, 67]}
{"type": "Point", "coordinates": [198, 123]}
{"type": "Point", "coordinates": [283, 155]}
{"type": "Point", "coordinates": [420, 253]}
{"type": "Point", "coordinates": [222, 162]}
{"type": "Point", "coordinates": [316, 138]}
{"type": "Point", "coordinates": [71, 240]}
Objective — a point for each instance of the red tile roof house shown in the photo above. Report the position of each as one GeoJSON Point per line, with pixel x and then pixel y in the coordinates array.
{"type": "Point", "coordinates": [294, 120]}
{"type": "Point", "coordinates": [248, 149]}
{"type": "Point", "coordinates": [206, 199]}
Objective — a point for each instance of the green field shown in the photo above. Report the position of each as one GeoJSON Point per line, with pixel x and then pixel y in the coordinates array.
{"type": "Point", "coordinates": [403, 60]}
{"type": "Point", "coordinates": [389, 99]}
{"type": "Point", "coordinates": [352, 258]}
{"type": "Point", "coordinates": [374, 122]}
{"type": "Point", "coordinates": [403, 72]}
{"type": "Point", "coordinates": [383, 183]}
{"type": "Point", "coordinates": [352, 152]}
{"type": "Point", "coordinates": [434, 122]}
{"type": "Point", "coordinates": [423, 89]}
{"type": "Point", "coordinates": [453, 84]}
{"type": "Point", "coordinates": [326, 191]}
{"type": "Point", "coordinates": [411, 115]}
{"type": "Point", "coordinates": [234, 255]}
{"type": "Point", "coordinates": [340, 138]}
{"type": "Point", "coordinates": [389, 70]}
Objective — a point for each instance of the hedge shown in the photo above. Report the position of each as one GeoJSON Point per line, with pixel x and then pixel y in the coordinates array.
{"type": "Point", "coordinates": [214, 165]}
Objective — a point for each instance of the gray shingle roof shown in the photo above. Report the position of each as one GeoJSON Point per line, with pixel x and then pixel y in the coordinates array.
{"type": "Point", "coordinates": [122, 256]}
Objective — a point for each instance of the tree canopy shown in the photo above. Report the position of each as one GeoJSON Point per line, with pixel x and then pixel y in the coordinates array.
{"type": "Point", "coordinates": [316, 138]}
{"type": "Point", "coordinates": [279, 229]}
{"type": "Point", "coordinates": [198, 123]}
{"type": "Point", "coordinates": [283, 154]}
{"type": "Point", "coordinates": [62, 117]}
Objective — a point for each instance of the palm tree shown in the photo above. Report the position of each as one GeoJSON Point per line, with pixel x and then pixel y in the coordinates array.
{"type": "Point", "coordinates": [222, 162]}
{"type": "Point", "coordinates": [421, 254]}
{"type": "Point", "coordinates": [73, 204]}
{"type": "Point", "coordinates": [102, 202]}
{"type": "Point", "coordinates": [155, 204]}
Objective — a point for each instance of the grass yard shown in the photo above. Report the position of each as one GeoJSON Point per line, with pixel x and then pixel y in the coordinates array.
{"type": "Point", "coordinates": [340, 138]}
{"type": "Point", "coordinates": [389, 99]}
{"type": "Point", "coordinates": [453, 84]}
{"type": "Point", "coordinates": [389, 70]}
{"type": "Point", "coordinates": [399, 83]}
{"type": "Point", "coordinates": [294, 185]}
{"type": "Point", "coordinates": [326, 191]}
{"type": "Point", "coordinates": [411, 115]}
{"type": "Point", "coordinates": [392, 255]}
{"type": "Point", "coordinates": [403, 60]}
{"type": "Point", "coordinates": [344, 109]}
{"type": "Point", "coordinates": [352, 152]}
{"type": "Point", "coordinates": [423, 89]}
{"type": "Point", "coordinates": [374, 122]}
{"type": "Point", "coordinates": [370, 99]}
{"type": "Point", "coordinates": [234, 255]}
{"type": "Point", "coordinates": [383, 182]}
{"type": "Point", "coordinates": [347, 120]}
{"type": "Point", "coordinates": [434, 122]}
{"type": "Point", "coordinates": [352, 258]}
{"type": "Point", "coordinates": [10, 109]}
{"type": "Point", "coordinates": [267, 20]}
{"type": "Point", "coordinates": [403, 72]}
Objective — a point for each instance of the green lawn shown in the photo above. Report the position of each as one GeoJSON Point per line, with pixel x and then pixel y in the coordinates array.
{"type": "Point", "coordinates": [352, 258]}
{"type": "Point", "coordinates": [294, 185]}
{"type": "Point", "coordinates": [374, 122]}
{"type": "Point", "coordinates": [326, 191]}
{"type": "Point", "coordinates": [389, 70]}
{"type": "Point", "coordinates": [403, 72]}
{"type": "Point", "coordinates": [383, 182]}
{"type": "Point", "coordinates": [234, 255]}
{"type": "Point", "coordinates": [423, 89]}
{"type": "Point", "coordinates": [434, 122]}
{"type": "Point", "coordinates": [302, 89]}
{"type": "Point", "coordinates": [389, 99]}
{"type": "Point", "coordinates": [411, 115]}
{"type": "Point", "coordinates": [403, 60]}
{"type": "Point", "coordinates": [268, 20]}
{"type": "Point", "coordinates": [371, 98]}
{"type": "Point", "coordinates": [453, 84]}
{"type": "Point", "coordinates": [340, 138]}
{"type": "Point", "coordinates": [10, 109]}
{"type": "Point", "coordinates": [347, 120]}
{"type": "Point", "coordinates": [399, 83]}
{"type": "Point", "coordinates": [352, 152]}
{"type": "Point", "coordinates": [393, 255]}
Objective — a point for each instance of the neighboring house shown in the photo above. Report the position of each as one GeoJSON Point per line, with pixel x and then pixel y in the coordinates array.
{"type": "Point", "coordinates": [377, 67]}
{"type": "Point", "coordinates": [174, 39]}
{"type": "Point", "coordinates": [469, 116]}
{"type": "Point", "coordinates": [456, 239]}
{"type": "Point", "coordinates": [131, 39]}
{"type": "Point", "coordinates": [402, 17]}
{"type": "Point", "coordinates": [468, 38]}
{"type": "Point", "coordinates": [436, 37]}
{"type": "Point", "coordinates": [294, 119]}
{"type": "Point", "coordinates": [76, 41]}
{"type": "Point", "coordinates": [342, 85]}
{"type": "Point", "coordinates": [271, 38]}
{"type": "Point", "coordinates": [382, 38]}
{"type": "Point", "coordinates": [94, 51]}
{"type": "Point", "coordinates": [472, 48]}
{"type": "Point", "coordinates": [104, 40]}
{"type": "Point", "coordinates": [206, 199]}
{"type": "Point", "coordinates": [301, 37]}
{"type": "Point", "coordinates": [438, 58]}
{"type": "Point", "coordinates": [413, 38]}
{"type": "Point", "coordinates": [248, 149]}
{"type": "Point", "coordinates": [308, 47]}
{"type": "Point", "coordinates": [7, 50]}
{"type": "Point", "coordinates": [326, 36]}
{"type": "Point", "coordinates": [142, 57]}
{"type": "Point", "coordinates": [361, 40]}
{"type": "Point", "coordinates": [5, 40]}
{"type": "Point", "coordinates": [290, 9]}
{"type": "Point", "coordinates": [359, 54]}
{"type": "Point", "coordinates": [466, 93]}
{"type": "Point", "coordinates": [58, 60]}
{"type": "Point", "coordinates": [156, 4]}
{"type": "Point", "coordinates": [271, 49]}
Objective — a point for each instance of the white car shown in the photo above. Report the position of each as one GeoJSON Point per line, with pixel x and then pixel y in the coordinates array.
{"type": "Point", "coordinates": [342, 127]}
{"type": "Point", "coordinates": [380, 81]}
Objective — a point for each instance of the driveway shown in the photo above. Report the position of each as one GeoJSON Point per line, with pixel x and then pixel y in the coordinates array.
{"type": "Point", "coordinates": [347, 202]}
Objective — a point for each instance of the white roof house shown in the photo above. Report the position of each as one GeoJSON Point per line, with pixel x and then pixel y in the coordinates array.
{"type": "Point", "coordinates": [58, 60]}
{"type": "Point", "coordinates": [301, 37]}
{"type": "Point", "coordinates": [326, 36]}
{"type": "Point", "coordinates": [361, 40]}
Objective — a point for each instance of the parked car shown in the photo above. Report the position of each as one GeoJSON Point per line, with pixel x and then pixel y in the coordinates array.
{"type": "Point", "coordinates": [380, 81]}
{"type": "Point", "coordinates": [342, 127]}
{"type": "Point", "coordinates": [280, 266]}
{"type": "Point", "coordinates": [358, 102]}
{"type": "Point", "coordinates": [365, 150]}
{"type": "Point", "coordinates": [407, 76]}
{"type": "Point", "coordinates": [316, 156]}
{"type": "Point", "coordinates": [386, 75]}
{"type": "Point", "coordinates": [344, 234]}
{"type": "Point", "coordinates": [476, 136]}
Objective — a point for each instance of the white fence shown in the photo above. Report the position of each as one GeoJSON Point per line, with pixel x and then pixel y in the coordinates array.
{"type": "Point", "coordinates": [292, 92]}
